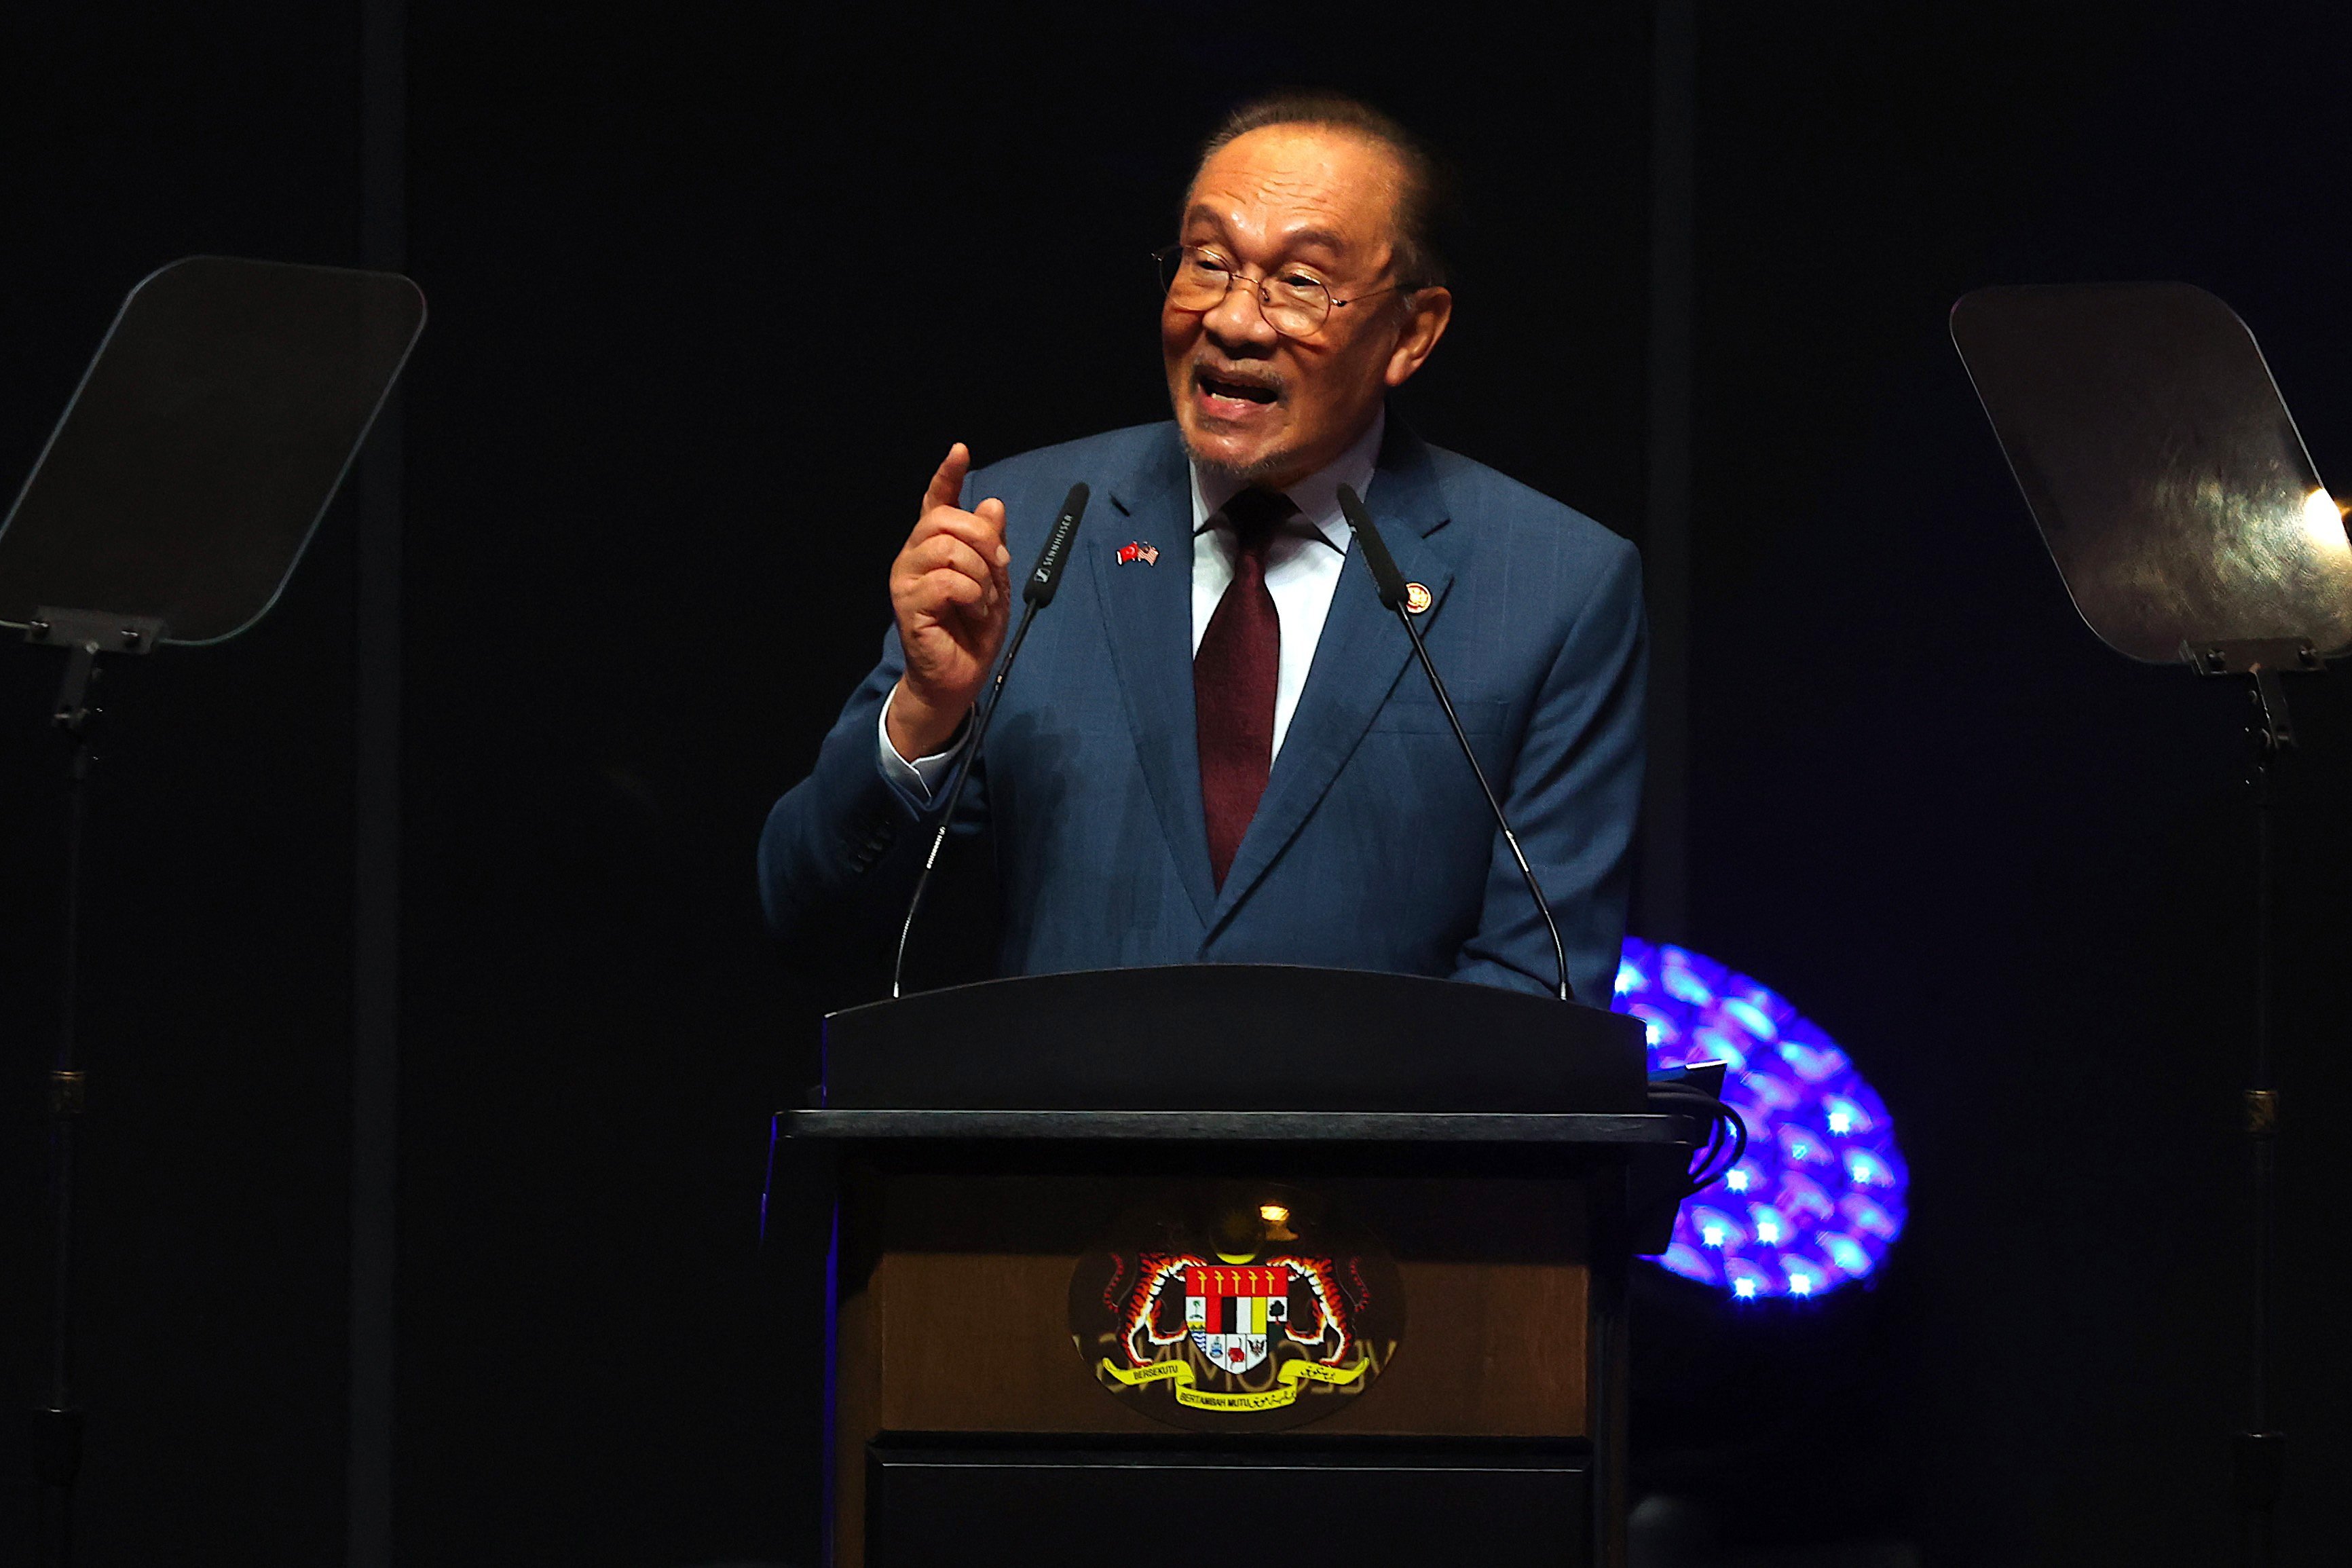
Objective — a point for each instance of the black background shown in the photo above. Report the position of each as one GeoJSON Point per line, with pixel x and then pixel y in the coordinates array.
{"type": "Point", "coordinates": [712, 287]}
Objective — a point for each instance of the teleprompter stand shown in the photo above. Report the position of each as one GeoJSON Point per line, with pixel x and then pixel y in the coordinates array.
{"type": "Point", "coordinates": [2189, 525]}
{"type": "Point", "coordinates": [214, 424]}
{"type": "Point", "coordinates": [1504, 1149]}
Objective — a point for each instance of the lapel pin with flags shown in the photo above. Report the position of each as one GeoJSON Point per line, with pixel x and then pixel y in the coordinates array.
{"type": "Point", "coordinates": [1138, 551]}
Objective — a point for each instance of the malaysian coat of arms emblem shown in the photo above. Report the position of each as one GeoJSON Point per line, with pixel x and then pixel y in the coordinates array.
{"type": "Point", "coordinates": [1236, 1307]}
{"type": "Point", "coordinates": [1227, 1311]}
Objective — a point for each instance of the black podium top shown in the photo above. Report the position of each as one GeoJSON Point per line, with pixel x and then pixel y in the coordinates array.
{"type": "Point", "coordinates": [1261, 1039]}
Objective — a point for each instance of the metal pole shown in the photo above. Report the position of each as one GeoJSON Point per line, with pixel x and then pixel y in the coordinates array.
{"type": "Point", "coordinates": [1663, 897]}
{"type": "Point", "coordinates": [368, 1538]}
{"type": "Point", "coordinates": [57, 1458]}
{"type": "Point", "coordinates": [2259, 1459]}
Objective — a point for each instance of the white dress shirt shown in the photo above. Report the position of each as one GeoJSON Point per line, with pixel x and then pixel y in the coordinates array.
{"type": "Point", "coordinates": [1302, 572]}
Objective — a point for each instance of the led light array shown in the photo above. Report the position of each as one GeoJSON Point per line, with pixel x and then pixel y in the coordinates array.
{"type": "Point", "coordinates": [1818, 1198]}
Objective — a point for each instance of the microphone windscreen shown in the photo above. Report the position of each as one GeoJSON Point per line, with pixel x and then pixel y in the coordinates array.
{"type": "Point", "coordinates": [1047, 576]}
{"type": "Point", "coordinates": [1385, 576]}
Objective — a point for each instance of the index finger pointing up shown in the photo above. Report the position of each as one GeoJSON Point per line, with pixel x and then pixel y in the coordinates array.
{"type": "Point", "coordinates": [947, 485]}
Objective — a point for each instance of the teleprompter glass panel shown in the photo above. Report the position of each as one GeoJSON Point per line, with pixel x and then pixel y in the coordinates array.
{"type": "Point", "coordinates": [2161, 465]}
{"type": "Point", "coordinates": [204, 442]}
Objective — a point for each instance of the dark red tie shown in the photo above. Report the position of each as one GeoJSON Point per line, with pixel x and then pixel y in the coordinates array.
{"type": "Point", "coordinates": [1233, 678]}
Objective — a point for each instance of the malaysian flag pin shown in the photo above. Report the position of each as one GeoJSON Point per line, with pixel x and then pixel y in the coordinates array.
{"type": "Point", "coordinates": [1138, 551]}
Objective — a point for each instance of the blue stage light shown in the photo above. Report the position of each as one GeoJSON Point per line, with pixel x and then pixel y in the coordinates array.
{"type": "Point", "coordinates": [1818, 1198]}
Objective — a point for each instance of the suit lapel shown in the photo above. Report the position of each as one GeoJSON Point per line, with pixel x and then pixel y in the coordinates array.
{"type": "Point", "coordinates": [1361, 654]}
{"type": "Point", "coordinates": [1148, 621]}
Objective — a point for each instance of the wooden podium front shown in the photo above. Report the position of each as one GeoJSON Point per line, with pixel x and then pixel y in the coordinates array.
{"type": "Point", "coordinates": [1494, 1144]}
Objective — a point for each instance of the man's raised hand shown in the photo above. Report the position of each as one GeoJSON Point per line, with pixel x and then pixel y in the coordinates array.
{"type": "Point", "coordinates": [953, 596]}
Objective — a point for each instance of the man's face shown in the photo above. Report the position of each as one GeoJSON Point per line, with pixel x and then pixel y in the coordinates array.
{"type": "Point", "coordinates": [1272, 409]}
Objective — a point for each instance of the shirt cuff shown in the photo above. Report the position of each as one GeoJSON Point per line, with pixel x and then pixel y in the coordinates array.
{"type": "Point", "coordinates": [915, 779]}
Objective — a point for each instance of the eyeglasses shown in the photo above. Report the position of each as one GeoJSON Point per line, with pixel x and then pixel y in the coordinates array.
{"type": "Point", "coordinates": [1295, 303]}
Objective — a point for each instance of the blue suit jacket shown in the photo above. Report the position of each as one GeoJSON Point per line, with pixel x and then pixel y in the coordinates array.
{"type": "Point", "coordinates": [1370, 848]}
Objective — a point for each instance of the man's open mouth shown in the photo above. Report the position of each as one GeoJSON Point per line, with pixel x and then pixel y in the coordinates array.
{"type": "Point", "coordinates": [1240, 391]}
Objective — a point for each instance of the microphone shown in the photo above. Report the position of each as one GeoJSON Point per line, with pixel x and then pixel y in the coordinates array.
{"type": "Point", "coordinates": [1390, 585]}
{"type": "Point", "coordinates": [1045, 581]}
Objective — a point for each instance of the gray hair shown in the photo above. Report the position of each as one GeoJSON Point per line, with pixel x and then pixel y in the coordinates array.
{"type": "Point", "coordinates": [1421, 188]}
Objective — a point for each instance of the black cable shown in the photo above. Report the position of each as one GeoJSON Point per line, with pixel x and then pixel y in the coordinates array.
{"type": "Point", "coordinates": [1705, 1172]}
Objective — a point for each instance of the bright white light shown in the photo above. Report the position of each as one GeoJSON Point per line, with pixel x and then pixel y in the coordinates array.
{"type": "Point", "coordinates": [2323, 521]}
{"type": "Point", "coordinates": [1841, 1123]}
{"type": "Point", "coordinates": [1801, 1284]}
{"type": "Point", "coordinates": [1712, 1235]}
{"type": "Point", "coordinates": [1768, 1231]}
{"type": "Point", "coordinates": [1861, 1173]}
{"type": "Point", "coordinates": [1737, 1181]}
{"type": "Point", "coordinates": [1743, 1288]}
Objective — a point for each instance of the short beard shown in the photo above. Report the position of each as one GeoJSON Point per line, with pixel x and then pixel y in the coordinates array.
{"type": "Point", "coordinates": [1248, 474]}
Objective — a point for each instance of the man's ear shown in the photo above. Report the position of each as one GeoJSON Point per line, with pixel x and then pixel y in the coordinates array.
{"type": "Point", "coordinates": [1427, 311]}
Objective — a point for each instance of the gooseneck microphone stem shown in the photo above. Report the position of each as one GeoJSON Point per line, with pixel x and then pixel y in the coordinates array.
{"type": "Point", "coordinates": [1037, 593]}
{"type": "Point", "coordinates": [955, 794]}
{"type": "Point", "coordinates": [1543, 906]}
{"type": "Point", "coordinates": [1392, 586]}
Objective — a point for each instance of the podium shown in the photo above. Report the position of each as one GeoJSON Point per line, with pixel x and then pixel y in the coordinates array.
{"type": "Point", "coordinates": [1233, 1258]}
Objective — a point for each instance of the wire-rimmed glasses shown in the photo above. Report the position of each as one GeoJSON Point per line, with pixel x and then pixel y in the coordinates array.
{"type": "Point", "coordinates": [1294, 301]}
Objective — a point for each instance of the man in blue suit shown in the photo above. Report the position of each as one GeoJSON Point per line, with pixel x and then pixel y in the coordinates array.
{"type": "Point", "coordinates": [1215, 750]}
